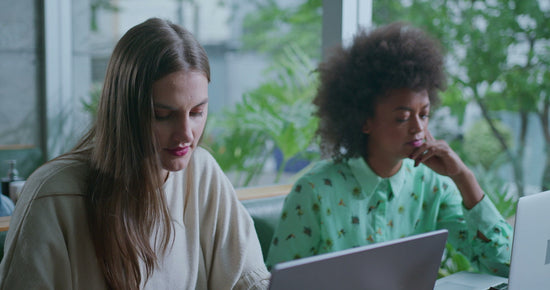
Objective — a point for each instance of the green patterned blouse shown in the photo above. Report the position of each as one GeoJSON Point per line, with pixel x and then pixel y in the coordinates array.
{"type": "Point", "coordinates": [339, 205]}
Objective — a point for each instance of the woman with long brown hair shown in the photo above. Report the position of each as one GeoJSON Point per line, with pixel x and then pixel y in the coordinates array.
{"type": "Point", "coordinates": [137, 204]}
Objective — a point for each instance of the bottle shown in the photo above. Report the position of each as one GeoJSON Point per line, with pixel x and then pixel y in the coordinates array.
{"type": "Point", "coordinates": [13, 175]}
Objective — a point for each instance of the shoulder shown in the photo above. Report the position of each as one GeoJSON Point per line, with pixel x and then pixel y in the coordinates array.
{"type": "Point", "coordinates": [203, 168]}
{"type": "Point", "coordinates": [327, 168]}
{"type": "Point", "coordinates": [54, 192]}
{"type": "Point", "coordinates": [63, 176]}
{"type": "Point", "coordinates": [204, 171]}
{"type": "Point", "coordinates": [325, 174]}
{"type": "Point", "coordinates": [202, 154]}
{"type": "Point", "coordinates": [202, 160]}
{"type": "Point", "coordinates": [207, 183]}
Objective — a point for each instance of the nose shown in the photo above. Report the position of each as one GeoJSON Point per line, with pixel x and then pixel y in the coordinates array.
{"type": "Point", "coordinates": [183, 132]}
{"type": "Point", "coordinates": [417, 125]}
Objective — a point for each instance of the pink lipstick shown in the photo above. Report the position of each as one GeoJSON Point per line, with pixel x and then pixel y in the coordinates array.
{"type": "Point", "coordinates": [178, 151]}
{"type": "Point", "coordinates": [416, 143]}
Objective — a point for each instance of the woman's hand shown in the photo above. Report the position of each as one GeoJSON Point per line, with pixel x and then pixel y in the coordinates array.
{"type": "Point", "coordinates": [437, 155]}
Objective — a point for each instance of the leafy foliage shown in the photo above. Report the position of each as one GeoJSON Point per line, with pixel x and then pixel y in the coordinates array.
{"type": "Point", "coordinates": [480, 145]}
{"type": "Point", "coordinates": [453, 262]}
{"type": "Point", "coordinates": [278, 112]}
{"type": "Point", "coordinates": [453, 99]}
{"type": "Point", "coordinates": [96, 6]}
{"type": "Point", "coordinates": [237, 149]}
{"type": "Point", "coordinates": [497, 189]}
{"type": "Point", "coordinates": [272, 27]}
{"type": "Point", "coordinates": [91, 105]}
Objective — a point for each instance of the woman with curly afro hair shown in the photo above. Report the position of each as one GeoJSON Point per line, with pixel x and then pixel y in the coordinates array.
{"type": "Point", "coordinates": [387, 177]}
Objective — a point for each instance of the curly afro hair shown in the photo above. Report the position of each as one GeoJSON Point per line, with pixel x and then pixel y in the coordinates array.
{"type": "Point", "coordinates": [354, 79]}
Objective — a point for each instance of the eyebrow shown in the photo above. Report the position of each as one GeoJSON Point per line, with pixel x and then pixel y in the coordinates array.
{"type": "Point", "coordinates": [163, 106]}
{"type": "Point", "coordinates": [405, 108]}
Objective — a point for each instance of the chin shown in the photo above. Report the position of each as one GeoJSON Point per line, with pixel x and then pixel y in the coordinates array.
{"type": "Point", "coordinates": [174, 168]}
{"type": "Point", "coordinates": [175, 165]}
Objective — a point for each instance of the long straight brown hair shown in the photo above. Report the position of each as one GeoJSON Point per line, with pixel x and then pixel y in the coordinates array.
{"type": "Point", "coordinates": [125, 201]}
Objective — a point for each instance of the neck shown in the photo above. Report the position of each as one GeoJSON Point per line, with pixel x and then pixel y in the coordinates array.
{"type": "Point", "coordinates": [383, 167]}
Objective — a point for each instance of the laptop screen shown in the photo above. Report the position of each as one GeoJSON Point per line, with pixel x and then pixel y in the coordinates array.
{"type": "Point", "coordinates": [530, 263]}
{"type": "Point", "coordinates": [407, 263]}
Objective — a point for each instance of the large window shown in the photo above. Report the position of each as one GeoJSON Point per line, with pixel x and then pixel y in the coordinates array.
{"type": "Point", "coordinates": [262, 55]}
{"type": "Point", "coordinates": [494, 114]}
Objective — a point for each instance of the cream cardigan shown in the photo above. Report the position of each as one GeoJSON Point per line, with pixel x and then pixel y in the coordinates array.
{"type": "Point", "coordinates": [215, 246]}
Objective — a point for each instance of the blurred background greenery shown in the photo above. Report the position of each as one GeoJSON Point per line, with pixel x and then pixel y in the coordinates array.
{"type": "Point", "coordinates": [497, 62]}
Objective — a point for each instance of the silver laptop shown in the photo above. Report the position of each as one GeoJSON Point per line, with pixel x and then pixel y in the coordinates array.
{"type": "Point", "coordinates": [530, 262]}
{"type": "Point", "coordinates": [407, 263]}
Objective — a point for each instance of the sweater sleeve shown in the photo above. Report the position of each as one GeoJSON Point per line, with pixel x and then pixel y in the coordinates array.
{"type": "Point", "coordinates": [48, 245]}
{"type": "Point", "coordinates": [35, 248]}
{"type": "Point", "coordinates": [231, 247]}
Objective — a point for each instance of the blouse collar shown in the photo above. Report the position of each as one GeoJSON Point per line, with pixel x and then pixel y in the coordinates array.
{"type": "Point", "coordinates": [369, 180]}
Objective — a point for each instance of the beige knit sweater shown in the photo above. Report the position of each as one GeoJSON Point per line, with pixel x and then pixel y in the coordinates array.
{"type": "Point", "coordinates": [215, 246]}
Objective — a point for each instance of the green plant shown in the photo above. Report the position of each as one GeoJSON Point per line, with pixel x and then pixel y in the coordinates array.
{"type": "Point", "coordinates": [277, 115]}
{"type": "Point", "coordinates": [497, 189]}
{"type": "Point", "coordinates": [90, 105]}
{"type": "Point", "coordinates": [273, 26]}
{"type": "Point", "coordinates": [482, 146]}
{"type": "Point", "coordinates": [453, 262]}
{"type": "Point", "coordinates": [96, 6]}
{"type": "Point", "coordinates": [278, 112]}
{"type": "Point", "coordinates": [236, 149]}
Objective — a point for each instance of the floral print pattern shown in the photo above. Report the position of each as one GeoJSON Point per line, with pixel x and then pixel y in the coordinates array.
{"type": "Point", "coordinates": [339, 205]}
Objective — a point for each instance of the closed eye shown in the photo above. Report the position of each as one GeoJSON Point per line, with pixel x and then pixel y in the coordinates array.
{"type": "Point", "coordinates": [197, 114]}
{"type": "Point", "coordinates": [403, 117]}
{"type": "Point", "coordinates": [198, 111]}
{"type": "Point", "coordinates": [162, 114]}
